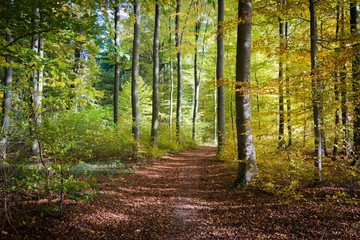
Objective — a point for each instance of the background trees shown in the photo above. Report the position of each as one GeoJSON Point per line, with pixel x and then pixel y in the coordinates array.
{"type": "Point", "coordinates": [72, 64]}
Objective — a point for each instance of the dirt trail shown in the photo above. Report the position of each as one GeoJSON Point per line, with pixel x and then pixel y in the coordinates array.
{"type": "Point", "coordinates": [188, 196]}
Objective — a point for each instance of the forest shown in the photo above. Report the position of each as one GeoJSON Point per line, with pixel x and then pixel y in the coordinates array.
{"type": "Point", "coordinates": [180, 119]}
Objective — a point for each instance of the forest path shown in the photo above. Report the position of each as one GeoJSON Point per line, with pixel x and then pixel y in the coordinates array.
{"type": "Point", "coordinates": [189, 196]}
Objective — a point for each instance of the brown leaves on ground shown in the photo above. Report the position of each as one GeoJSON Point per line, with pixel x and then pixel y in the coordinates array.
{"type": "Point", "coordinates": [189, 196]}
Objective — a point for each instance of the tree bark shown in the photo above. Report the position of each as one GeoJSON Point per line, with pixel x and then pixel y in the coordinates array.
{"type": "Point", "coordinates": [179, 71]}
{"type": "Point", "coordinates": [196, 81]}
{"type": "Point", "coordinates": [135, 79]}
{"type": "Point", "coordinates": [171, 86]}
{"type": "Point", "coordinates": [316, 88]}
{"type": "Point", "coordinates": [339, 23]}
{"type": "Point", "coordinates": [354, 21]}
{"type": "Point", "coordinates": [220, 77]}
{"type": "Point", "coordinates": [155, 96]}
{"type": "Point", "coordinates": [37, 81]}
{"type": "Point", "coordinates": [6, 104]}
{"type": "Point", "coordinates": [281, 137]}
{"type": "Point", "coordinates": [117, 63]}
{"type": "Point", "coordinates": [288, 90]}
{"type": "Point", "coordinates": [246, 150]}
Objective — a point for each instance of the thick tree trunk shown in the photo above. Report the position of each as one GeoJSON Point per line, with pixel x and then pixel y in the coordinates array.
{"type": "Point", "coordinates": [135, 79]}
{"type": "Point", "coordinates": [196, 81]}
{"type": "Point", "coordinates": [155, 96]}
{"type": "Point", "coordinates": [179, 71]}
{"type": "Point", "coordinates": [246, 149]}
{"type": "Point", "coordinates": [354, 21]}
{"type": "Point", "coordinates": [317, 88]}
{"type": "Point", "coordinates": [117, 63]}
{"type": "Point", "coordinates": [220, 76]}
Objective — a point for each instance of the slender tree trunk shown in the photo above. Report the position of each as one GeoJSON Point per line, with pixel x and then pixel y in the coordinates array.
{"type": "Point", "coordinates": [215, 111]}
{"type": "Point", "coordinates": [171, 87]}
{"type": "Point", "coordinates": [171, 98]}
{"type": "Point", "coordinates": [117, 63]}
{"type": "Point", "coordinates": [246, 149]}
{"type": "Point", "coordinates": [346, 148]}
{"type": "Point", "coordinates": [135, 79]}
{"type": "Point", "coordinates": [354, 21]}
{"type": "Point", "coordinates": [281, 137]}
{"type": "Point", "coordinates": [196, 81]}
{"type": "Point", "coordinates": [179, 71]}
{"type": "Point", "coordinates": [155, 96]}
{"type": "Point", "coordinates": [36, 94]}
{"type": "Point", "coordinates": [6, 104]}
{"type": "Point", "coordinates": [257, 104]}
{"type": "Point", "coordinates": [220, 76]}
{"type": "Point", "coordinates": [335, 152]}
{"type": "Point", "coordinates": [316, 87]}
{"type": "Point", "coordinates": [288, 90]}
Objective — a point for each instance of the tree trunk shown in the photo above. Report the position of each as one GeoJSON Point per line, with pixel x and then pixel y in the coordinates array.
{"type": "Point", "coordinates": [171, 87]}
{"type": "Point", "coordinates": [288, 90]}
{"type": "Point", "coordinates": [179, 71]}
{"type": "Point", "coordinates": [316, 88]}
{"type": "Point", "coordinates": [215, 111]}
{"type": "Point", "coordinates": [196, 81]}
{"type": "Point", "coordinates": [220, 76]}
{"type": "Point", "coordinates": [281, 137]}
{"type": "Point", "coordinates": [354, 21]}
{"type": "Point", "coordinates": [37, 86]}
{"type": "Point", "coordinates": [246, 149]}
{"type": "Point", "coordinates": [117, 63]}
{"type": "Point", "coordinates": [155, 96]}
{"type": "Point", "coordinates": [335, 151]}
{"type": "Point", "coordinates": [6, 104]}
{"type": "Point", "coordinates": [134, 83]}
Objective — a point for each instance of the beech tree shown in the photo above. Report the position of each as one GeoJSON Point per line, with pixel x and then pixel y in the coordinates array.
{"type": "Point", "coordinates": [155, 96]}
{"type": "Point", "coordinates": [6, 104]}
{"type": "Point", "coordinates": [354, 22]}
{"type": "Point", "coordinates": [117, 62]}
{"type": "Point", "coordinates": [135, 79]}
{"type": "Point", "coordinates": [281, 138]}
{"type": "Point", "coordinates": [316, 89]}
{"type": "Point", "coordinates": [220, 77]}
{"type": "Point", "coordinates": [179, 70]}
{"type": "Point", "coordinates": [245, 143]}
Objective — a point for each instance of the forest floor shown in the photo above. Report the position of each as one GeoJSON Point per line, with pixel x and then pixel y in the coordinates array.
{"type": "Point", "coordinates": [188, 196]}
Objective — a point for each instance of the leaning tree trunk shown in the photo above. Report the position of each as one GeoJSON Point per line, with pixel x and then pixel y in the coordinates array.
{"type": "Point", "coordinates": [245, 146]}
{"type": "Point", "coordinates": [179, 71]}
{"type": "Point", "coordinates": [134, 83]}
{"type": "Point", "coordinates": [117, 63]}
{"type": "Point", "coordinates": [354, 21]}
{"type": "Point", "coordinates": [220, 77]}
{"type": "Point", "coordinates": [155, 96]}
{"type": "Point", "coordinates": [316, 88]}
